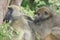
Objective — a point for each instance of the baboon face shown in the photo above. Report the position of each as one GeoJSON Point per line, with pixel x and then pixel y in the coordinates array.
{"type": "Point", "coordinates": [13, 13]}
{"type": "Point", "coordinates": [42, 14]}
{"type": "Point", "coordinates": [16, 11]}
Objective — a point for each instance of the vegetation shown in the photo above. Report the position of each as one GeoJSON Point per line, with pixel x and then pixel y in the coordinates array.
{"type": "Point", "coordinates": [29, 7]}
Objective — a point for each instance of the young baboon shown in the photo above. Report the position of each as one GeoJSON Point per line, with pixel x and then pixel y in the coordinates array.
{"type": "Point", "coordinates": [22, 30]}
{"type": "Point", "coordinates": [46, 22]}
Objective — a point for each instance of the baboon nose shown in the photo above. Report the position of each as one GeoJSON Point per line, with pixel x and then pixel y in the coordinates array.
{"type": "Point", "coordinates": [36, 20]}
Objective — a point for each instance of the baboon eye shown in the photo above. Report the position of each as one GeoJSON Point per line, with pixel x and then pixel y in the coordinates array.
{"type": "Point", "coordinates": [46, 13]}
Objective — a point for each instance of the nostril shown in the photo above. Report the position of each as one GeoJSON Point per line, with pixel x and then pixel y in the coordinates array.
{"type": "Point", "coordinates": [36, 20]}
{"type": "Point", "coordinates": [46, 13]}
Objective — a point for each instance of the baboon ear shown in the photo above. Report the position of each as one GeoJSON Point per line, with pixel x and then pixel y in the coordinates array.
{"type": "Point", "coordinates": [11, 9]}
{"type": "Point", "coordinates": [51, 14]}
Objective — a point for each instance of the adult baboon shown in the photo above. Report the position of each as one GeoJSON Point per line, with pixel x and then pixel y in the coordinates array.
{"type": "Point", "coordinates": [19, 24]}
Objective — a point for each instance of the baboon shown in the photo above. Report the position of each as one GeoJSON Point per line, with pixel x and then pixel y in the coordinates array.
{"type": "Point", "coordinates": [47, 22]}
{"type": "Point", "coordinates": [19, 24]}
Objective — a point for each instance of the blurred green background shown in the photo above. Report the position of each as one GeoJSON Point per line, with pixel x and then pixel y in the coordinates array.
{"type": "Point", "coordinates": [29, 7]}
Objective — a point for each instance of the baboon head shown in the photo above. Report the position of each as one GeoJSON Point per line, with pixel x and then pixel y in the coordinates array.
{"type": "Point", "coordinates": [42, 14]}
{"type": "Point", "coordinates": [16, 11]}
{"type": "Point", "coordinates": [13, 12]}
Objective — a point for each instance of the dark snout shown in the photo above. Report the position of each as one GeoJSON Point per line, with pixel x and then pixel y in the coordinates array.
{"type": "Point", "coordinates": [36, 19]}
{"type": "Point", "coordinates": [8, 16]}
